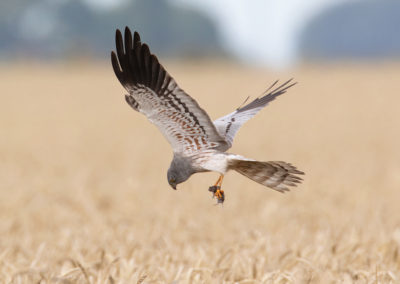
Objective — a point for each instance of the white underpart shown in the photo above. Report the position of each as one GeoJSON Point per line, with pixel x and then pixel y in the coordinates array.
{"type": "Point", "coordinates": [217, 161]}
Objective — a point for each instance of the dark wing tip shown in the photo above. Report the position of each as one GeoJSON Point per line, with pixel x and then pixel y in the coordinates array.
{"type": "Point", "coordinates": [128, 41]}
{"type": "Point", "coordinates": [118, 32]}
{"type": "Point", "coordinates": [116, 66]}
{"type": "Point", "coordinates": [134, 63]}
{"type": "Point", "coordinates": [114, 61]}
{"type": "Point", "coordinates": [286, 85]}
{"type": "Point", "coordinates": [118, 37]}
{"type": "Point", "coordinates": [136, 37]}
{"type": "Point", "coordinates": [269, 96]}
{"type": "Point", "coordinates": [282, 88]}
{"type": "Point", "coordinates": [113, 57]}
{"type": "Point", "coordinates": [146, 51]}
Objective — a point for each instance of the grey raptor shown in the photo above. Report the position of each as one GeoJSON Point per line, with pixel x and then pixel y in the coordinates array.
{"type": "Point", "coordinates": [199, 145]}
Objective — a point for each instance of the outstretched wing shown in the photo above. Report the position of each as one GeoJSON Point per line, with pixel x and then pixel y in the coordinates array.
{"type": "Point", "coordinates": [228, 125]}
{"type": "Point", "coordinates": [153, 92]}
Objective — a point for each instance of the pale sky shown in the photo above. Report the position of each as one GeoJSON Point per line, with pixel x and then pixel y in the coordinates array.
{"type": "Point", "coordinates": [263, 32]}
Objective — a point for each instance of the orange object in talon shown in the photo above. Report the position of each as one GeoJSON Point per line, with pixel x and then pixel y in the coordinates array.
{"type": "Point", "coordinates": [217, 191]}
{"type": "Point", "coordinates": [220, 195]}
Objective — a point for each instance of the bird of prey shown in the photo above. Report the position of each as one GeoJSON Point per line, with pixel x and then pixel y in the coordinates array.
{"type": "Point", "coordinates": [199, 145]}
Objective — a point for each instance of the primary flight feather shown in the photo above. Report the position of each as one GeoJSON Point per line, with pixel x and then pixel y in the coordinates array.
{"type": "Point", "coordinates": [199, 145]}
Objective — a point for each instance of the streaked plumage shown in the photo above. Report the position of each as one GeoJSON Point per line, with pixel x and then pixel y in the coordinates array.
{"type": "Point", "coordinates": [198, 144]}
{"type": "Point", "coordinates": [228, 125]}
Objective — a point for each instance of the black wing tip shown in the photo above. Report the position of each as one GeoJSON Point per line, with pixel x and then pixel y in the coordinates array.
{"type": "Point", "coordinates": [268, 95]}
{"type": "Point", "coordinates": [127, 32]}
{"type": "Point", "coordinates": [281, 89]}
{"type": "Point", "coordinates": [136, 36]}
{"type": "Point", "coordinates": [128, 36]}
{"type": "Point", "coordinates": [291, 80]}
{"type": "Point", "coordinates": [114, 57]}
{"type": "Point", "coordinates": [286, 85]}
{"type": "Point", "coordinates": [116, 66]}
{"type": "Point", "coordinates": [134, 63]}
{"type": "Point", "coordinates": [125, 42]}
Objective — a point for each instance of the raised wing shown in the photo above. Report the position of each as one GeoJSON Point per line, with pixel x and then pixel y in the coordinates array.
{"type": "Point", "coordinates": [153, 92]}
{"type": "Point", "coordinates": [228, 125]}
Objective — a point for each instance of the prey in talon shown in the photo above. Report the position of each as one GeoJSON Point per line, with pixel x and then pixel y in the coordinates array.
{"type": "Point", "coordinates": [218, 193]}
{"type": "Point", "coordinates": [198, 143]}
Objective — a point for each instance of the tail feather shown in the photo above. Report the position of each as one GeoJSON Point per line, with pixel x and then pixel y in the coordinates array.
{"type": "Point", "coordinates": [276, 175]}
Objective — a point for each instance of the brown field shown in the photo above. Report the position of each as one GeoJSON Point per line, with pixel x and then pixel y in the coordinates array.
{"type": "Point", "coordinates": [85, 199]}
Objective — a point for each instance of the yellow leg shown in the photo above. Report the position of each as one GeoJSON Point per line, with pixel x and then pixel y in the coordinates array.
{"type": "Point", "coordinates": [219, 181]}
{"type": "Point", "coordinates": [217, 191]}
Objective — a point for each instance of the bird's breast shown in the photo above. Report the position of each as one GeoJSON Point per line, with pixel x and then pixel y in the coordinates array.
{"type": "Point", "coordinates": [211, 161]}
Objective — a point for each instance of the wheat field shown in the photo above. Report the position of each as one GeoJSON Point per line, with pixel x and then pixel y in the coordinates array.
{"type": "Point", "coordinates": [85, 199]}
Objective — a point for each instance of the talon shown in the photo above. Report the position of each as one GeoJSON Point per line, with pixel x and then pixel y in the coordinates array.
{"type": "Point", "coordinates": [213, 189]}
{"type": "Point", "coordinates": [220, 195]}
{"type": "Point", "coordinates": [217, 191]}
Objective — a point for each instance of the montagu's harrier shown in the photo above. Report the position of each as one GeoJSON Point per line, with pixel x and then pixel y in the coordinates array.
{"type": "Point", "coordinates": [199, 145]}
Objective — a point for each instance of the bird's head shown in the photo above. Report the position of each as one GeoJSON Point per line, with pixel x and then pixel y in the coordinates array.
{"type": "Point", "coordinates": [172, 180]}
{"type": "Point", "coordinates": [175, 177]}
{"type": "Point", "coordinates": [179, 171]}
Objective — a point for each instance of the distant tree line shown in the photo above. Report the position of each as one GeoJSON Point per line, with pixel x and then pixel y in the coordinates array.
{"type": "Point", "coordinates": [50, 29]}
{"type": "Point", "coordinates": [358, 30]}
{"type": "Point", "coordinates": [57, 29]}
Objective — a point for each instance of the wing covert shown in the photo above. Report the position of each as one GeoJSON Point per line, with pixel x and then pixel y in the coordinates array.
{"type": "Point", "coordinates": [153, 92]}
{"type": "Point", "coordinates": [228, 125]}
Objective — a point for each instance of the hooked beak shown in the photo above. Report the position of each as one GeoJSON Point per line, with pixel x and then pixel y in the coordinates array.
{"type": "Point", "coordinates": [174, 186]}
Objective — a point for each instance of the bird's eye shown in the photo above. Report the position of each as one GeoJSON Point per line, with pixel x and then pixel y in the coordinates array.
{"type": "Point", "coordinates": [172, 180]}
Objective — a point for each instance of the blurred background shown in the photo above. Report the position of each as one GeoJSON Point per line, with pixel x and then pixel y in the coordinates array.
{"type": "Point", "coordinates": [83, 190]}
{"type": "Point", "coordinates": [275, 34]}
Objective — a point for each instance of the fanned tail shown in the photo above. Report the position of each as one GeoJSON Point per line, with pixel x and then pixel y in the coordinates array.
{"type": "Point", "coordinates": [276, 175]}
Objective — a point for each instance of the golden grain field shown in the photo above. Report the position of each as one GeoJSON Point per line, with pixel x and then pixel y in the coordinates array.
{"type": "Point", "coordinates": [85, 199]}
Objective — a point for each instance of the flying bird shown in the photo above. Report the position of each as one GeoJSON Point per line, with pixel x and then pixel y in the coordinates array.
{"type": "Point", "coordinates": [199, 144]}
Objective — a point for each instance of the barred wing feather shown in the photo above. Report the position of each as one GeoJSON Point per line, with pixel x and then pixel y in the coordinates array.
{"type": "Point", "coordinates": [229, 125]}
{"type": "Point", "coordinates": [153, 92]}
